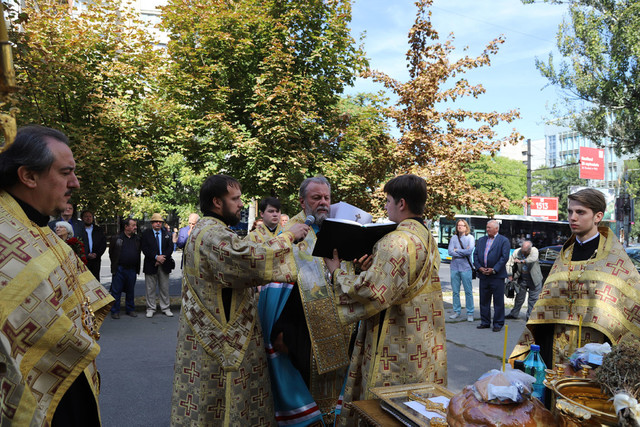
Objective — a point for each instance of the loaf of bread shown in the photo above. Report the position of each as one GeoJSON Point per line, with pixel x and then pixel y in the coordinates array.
{"type": "Point", "coordinates": [465, 410]}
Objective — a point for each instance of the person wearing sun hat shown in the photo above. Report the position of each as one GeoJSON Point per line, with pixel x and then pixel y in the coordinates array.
{"type": "Point", "coordinates": [157, 247]}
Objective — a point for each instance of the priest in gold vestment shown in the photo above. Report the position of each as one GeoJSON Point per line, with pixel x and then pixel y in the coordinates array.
{"type": "Point", "coordinates": [401, 338]}
{"type": "Point", "coordinates": [309, 329]}
{"type": "Point", "coordinates": [270, 227]}
{"type": "Point", "coordinates": [221, 376]}
{"type": "Point", "coordinates": [593, 279]}
{"type": "Point", "coordinates": [51, 306]}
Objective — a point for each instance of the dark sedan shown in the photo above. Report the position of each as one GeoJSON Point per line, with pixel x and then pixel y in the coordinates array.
{"type": "Point", "coordinates": [634, 254]}
{"type": "Point", "coordinates": [547, 256]}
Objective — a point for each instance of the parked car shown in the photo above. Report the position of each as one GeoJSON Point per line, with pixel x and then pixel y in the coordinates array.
{"type": "Point", "coordinates": [547, 256]}
{"type": "Point", "coordinates": [634, 254]}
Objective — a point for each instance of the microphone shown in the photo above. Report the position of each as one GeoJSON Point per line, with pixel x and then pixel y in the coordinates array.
{"type": "Point", "coordinates": [309, 221]}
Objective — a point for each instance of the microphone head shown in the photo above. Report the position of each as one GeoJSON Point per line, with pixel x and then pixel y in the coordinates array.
{"type": "Point", "coordinates": [310, 220]}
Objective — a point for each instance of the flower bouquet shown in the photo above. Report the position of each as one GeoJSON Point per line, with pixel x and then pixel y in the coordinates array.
{"type": "Point", "coordinates": [78, 248]}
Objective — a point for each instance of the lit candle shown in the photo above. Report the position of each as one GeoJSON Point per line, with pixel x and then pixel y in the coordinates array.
{"type": "Point", "coordinates": [579, 330]}
{"type": "Point", "coordinates": [504, 350]}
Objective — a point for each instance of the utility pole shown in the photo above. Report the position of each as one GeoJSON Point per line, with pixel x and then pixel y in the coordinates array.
{"type": "Point", "coordinates": [528, 176]}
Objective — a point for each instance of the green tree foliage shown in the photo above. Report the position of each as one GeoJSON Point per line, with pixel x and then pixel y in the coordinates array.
{"type": "Point", "coordinates": [438, 141]}
{"type": "Point", "coordinates": [555, 182]}
{"type": "Point", "coordinates": [501, 176]}
{"type": "Point", "coordinates": [599, 72]}
{"type": "Point", "coordinates": [260, 82]}
{"type": "Point", "coordinates": [91, 73]}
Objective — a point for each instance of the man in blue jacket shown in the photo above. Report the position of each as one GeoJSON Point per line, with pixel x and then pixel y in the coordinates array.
{"type": "Point", "coordinates": [490, 259]}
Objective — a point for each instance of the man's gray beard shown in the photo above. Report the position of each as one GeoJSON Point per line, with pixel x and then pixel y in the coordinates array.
{"type": "Point", "coordinates": [318, 219]}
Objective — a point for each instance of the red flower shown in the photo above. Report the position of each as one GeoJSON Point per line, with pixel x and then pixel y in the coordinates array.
{"type": "Point", "coordinates": [78, 248]}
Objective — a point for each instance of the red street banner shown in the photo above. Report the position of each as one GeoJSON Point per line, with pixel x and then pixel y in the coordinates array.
{"type": "Point", "coordinates": [591, 163]}
{"type": "Point", "coordinates": [545, 207]}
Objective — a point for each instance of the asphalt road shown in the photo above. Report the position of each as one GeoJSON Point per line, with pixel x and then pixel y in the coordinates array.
{"type": "Point", "coordinates": [137, 355]}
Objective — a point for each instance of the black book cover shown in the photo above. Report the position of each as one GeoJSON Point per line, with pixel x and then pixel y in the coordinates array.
{"type": "Point", "coordinates": [350, 238]}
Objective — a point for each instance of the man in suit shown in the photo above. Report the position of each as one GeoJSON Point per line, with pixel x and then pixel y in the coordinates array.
{"type": "Point", "coordinates": [490, 259]}
{"type": "Point", "coordinates": [95, 243]}
{"type": "Point", "coordinates": [69, 215]}
{"type": "Point", "coordinates": [157, 246]}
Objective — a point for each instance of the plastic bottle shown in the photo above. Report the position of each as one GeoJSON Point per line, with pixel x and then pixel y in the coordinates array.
{"type": "Point", "coordinates": [534, 366]}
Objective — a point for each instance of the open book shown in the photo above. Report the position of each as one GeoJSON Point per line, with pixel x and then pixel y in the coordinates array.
{"type": "Point", "coordinates": [350, 238]}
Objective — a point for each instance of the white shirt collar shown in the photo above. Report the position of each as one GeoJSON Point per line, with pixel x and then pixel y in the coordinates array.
{"type": "Point", "coordinates": [588, 240]}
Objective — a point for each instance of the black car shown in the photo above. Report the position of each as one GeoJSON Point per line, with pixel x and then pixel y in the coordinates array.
{"type": "Point", "coordinates": [634, 254]}
{"type": "Point", "coordinates": [547, 256]}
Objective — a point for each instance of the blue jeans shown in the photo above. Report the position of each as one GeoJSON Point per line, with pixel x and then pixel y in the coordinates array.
{"type": "Point", "coordinates": [123, 281]}
{"type": "Point", "coordinates": [465, 277]}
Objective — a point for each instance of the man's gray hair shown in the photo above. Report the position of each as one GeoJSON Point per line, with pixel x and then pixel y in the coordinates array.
{"type": "Point", "coordinates": [527, 243]}
{"type": "Point", "coordinates": [319, 179]}
{"type": "Point", "coordinates": [493, 221]}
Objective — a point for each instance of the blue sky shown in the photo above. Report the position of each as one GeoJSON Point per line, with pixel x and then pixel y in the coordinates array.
{"type": "Point", "coordinates": [512, 81]}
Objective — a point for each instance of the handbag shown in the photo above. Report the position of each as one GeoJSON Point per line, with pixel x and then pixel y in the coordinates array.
{"type": "Point", "coordinates": [474, 274]}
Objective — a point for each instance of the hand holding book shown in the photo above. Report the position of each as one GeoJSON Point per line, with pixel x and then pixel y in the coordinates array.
{"type": "Point", "coordinates": [363, 263]}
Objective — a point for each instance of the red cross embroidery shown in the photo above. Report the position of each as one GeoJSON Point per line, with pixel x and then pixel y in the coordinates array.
{"type": "Point", "coordinates": [219, 376]}
{"type": "Point", "coordinates": [434, 312]}
{"type": "Point", "coordinates": [220, 250]}
{"type": "Point", "coordinates": [244, 377]}
{"type": "Point", "coordinates": [252, 257]}
{"type": "Point", "coordinates": [188, 405]}
{"type": "Point", "coordinates": [546, 292]}
{"type": "Point", "coordinates": [12, 249]}
{"type": "Point", "coordinates": [260, 397]}
{"type": "Point", "coordinates": [606, 295]}
{"type": "Point", "coordinates": [617, 267]}
{"type": "Point", "coordinates": [217, 409]}
{"type": "Point", "coordinates": [386, 358]}
{"type": "Point", "coordinates": [419, 355]}
{"type": "Point", "coordinates": [280, 255]}
{"type": "Point", "coordinates": [193, 373]}
{"type": "Point", "coordinates": [192, 338]}
{"type": "Point", "coordinates": [417, 319]}
{"type": "Point", "coordinates": [377, 293]}
{"type": "Point", "coordinates": [633, 315]}
{"type": "Point", "coordinates": [234, 341]}
{"type": "Point", "coordinates": [20, 338]}
{"type": "Point", "coordinates": [435, 349]}
{"type": "Point", "coordinates": [245, 409]}
{"type": "Point", "coordinates": [197, 317]}
{"type": "Point", "coordinates": [397, 264]}
{"type": "Point", "coordinates": [259, 368]}
{"type": "Point", "coordinates": [582, 289]}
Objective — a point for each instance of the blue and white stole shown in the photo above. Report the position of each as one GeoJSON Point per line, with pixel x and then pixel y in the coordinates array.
{"type": "Point", "coordinates": [294, 405]}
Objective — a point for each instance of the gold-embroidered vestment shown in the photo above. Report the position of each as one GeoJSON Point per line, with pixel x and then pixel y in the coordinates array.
{"type": "Point", "coordinates": [51, 308]}
{"type": "Point", "coordinates": [401, 338]}
{"type": "Point", "coordinates": [221, 375]}
{"type": "Point", "coordinates": [604, 290]}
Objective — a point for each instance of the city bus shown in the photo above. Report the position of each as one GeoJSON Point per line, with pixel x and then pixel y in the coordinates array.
{"type": "Point", "coordinates": [516, 228]}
